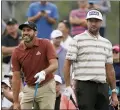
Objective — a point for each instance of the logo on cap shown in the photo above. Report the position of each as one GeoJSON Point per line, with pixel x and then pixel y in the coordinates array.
{"type": "Point", "coordinates": [94, 13]}
{"type": "Point", "coordinates": [26, 22]}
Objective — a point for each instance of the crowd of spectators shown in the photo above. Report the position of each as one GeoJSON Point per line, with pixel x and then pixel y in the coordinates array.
{"type": "Point", "coordinates": [45, 15]}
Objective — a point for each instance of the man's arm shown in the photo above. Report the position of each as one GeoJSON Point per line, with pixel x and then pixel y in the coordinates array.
{"type": "Point", "coordinates": [52, 67]}
{"type": "Point", "coordinates": [112, 82]}
{"type": "Point", "coordinates": [8, 95]}
{"type": "Point", "coordinates": [110, 73]}
{"type": "Point", "coordinates": [36, 17]}
{"type": "Point", "coordinates": [51, 20]}
{"type": "Point", "coordinates": [78, 21]}
{"type": "Point", "coordinates": [16, 82]}
{"type": "Point", "coordinates": [7, 50]}
{"type": "Point", "coordinates": [67, 66]}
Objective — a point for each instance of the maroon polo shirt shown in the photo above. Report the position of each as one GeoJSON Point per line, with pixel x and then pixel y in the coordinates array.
{"type": "Point", "coordinates": [33, 60]}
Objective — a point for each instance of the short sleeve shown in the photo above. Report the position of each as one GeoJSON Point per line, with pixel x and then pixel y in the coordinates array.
{"type": "Point", "coordinates": [72, 14]}
{"type": "Point", "coordinates": [109, 58]}
{"type": "Point", "coordinates": [72, 50]}
{"type": "Point", "coordinates": [51, 53]}
{"type": "Point", "coordinates": [30, 11]}
{"type": "Point", "coordinates": [15, 65]}
{"type": "Point", "coordinates": [55, 13]}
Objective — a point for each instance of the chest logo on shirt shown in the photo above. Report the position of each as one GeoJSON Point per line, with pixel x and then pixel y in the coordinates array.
{"type": "Point", "coordinates": [38, 53]}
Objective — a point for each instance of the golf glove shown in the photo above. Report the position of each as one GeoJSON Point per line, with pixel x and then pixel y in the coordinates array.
{"type": "Point", "coordinates": [68, 92]}
{"type": "Point", "coordinates": [40, 76]}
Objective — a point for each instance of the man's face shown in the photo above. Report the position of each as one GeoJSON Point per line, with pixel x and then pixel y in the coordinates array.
{"type": "Point", "coordinates": [43, 2]}
{"type": "Point", "coordinates": [28, 34]}
{"type": "Point", "coordinates": [57, 41]}
{"type": "Point", "coordinates": [5, 86]}
{"type": "Point", "coordinates": [63, 28]}
{"type": "Point", "coordinates": [11, 29]}
{"type": "Point", "coordinates": [94, 25]}
{"type": "Point", "coordinates": [116, 55]}
{"type": "Point", "coordinates": [83, 3]}
{"type": "Point", "coordinates": [58, 87]}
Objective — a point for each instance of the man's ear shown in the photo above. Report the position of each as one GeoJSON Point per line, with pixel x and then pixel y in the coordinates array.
{"type": "Point", "coordinates": [36, 33]}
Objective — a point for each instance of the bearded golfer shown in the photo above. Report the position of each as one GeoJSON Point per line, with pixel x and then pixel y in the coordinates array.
{"type": "Point", "coordinates": [91, 56]}
{"type": "Point", "coordinates": [37, 59]}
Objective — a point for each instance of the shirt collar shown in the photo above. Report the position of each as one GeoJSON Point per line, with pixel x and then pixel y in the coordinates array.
{"type": "Point", "coordinates": [92, 36]}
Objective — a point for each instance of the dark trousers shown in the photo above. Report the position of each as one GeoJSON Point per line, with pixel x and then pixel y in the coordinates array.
{"type": "Point", "coordinates": [91, 95]}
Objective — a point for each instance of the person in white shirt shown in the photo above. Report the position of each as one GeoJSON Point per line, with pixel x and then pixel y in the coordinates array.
{"type": "Point", "coordinates": [92, 60]}
{"type": "Point", "coordinates": [64, 26]}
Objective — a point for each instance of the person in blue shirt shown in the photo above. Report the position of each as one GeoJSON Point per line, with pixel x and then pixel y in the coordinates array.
{"type": "Point", "coordinates": [56, 38]}
{"type": "Point", "coordinates": [44, 14]}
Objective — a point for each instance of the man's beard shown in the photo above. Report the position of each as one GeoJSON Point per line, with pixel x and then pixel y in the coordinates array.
{"type": "Point", "coordinates": [27, 38]}
{"type": "Point", "coordinates": [94, 32]}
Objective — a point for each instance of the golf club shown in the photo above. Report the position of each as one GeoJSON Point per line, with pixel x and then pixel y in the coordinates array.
{"type": "Point", "coordinates": [35, 93]}
{"type": "Point", "coordinates": [71, 98]}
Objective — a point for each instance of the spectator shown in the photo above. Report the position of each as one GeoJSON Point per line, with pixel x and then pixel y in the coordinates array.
{"type": "Point", "coordinates": [6, 91]}
{"type": "Point", "coordinates": [37, 58]}
{"type": "Point", "coordinates": [9, 95]}
{"type": "Point", "coordinates": [10, 76]}
{"type": "Point", "coordinates": [116, 64]}
{"type": "Point", "coordinates": [3, 28]}
{"type": "Point", "coordinates": [45, 15]}
{"type": "Point", "coordinates": [58, 81]}
{"type": "Point", "coordinates": [62, 103]}
{"type": "Point", "coordinates": [56, 37]}
{"type": "Point", "coordinates": [103, 6]}
{"type": "Point", "coordinates": [66, 103]}
{"type": "Point", "coordinates": [64, 27]}
{"type": "Point", "coordinates": [91, 57]}
{"type": "Point", "coordinates": [77, 18]}
{"type": "Point", "coordinates": [9, 43]}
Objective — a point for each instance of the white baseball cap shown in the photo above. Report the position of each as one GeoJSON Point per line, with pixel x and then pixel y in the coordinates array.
{"type": "Point", "coordinates": [58, 79]}
{"type": "Point", "coordinates": [56, 33]}
{"type": "Point", "coordinates": [94, 14]}
{"type": "Point", "coordinates": [6, 81]}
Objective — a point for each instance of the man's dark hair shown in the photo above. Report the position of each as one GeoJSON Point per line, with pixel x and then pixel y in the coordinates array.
{"type": "Point", "coordinates": [67, 24]}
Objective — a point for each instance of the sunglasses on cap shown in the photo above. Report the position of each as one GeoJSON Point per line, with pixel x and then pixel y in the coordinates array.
{"type": "Point", "coordinates": [115, 52]}
{"type": "Point", "coordinates": [66, 22]}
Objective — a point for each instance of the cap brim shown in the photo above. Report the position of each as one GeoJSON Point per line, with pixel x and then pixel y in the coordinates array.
{"type": "Point", "coordinates": [6, 76]}
{"type": "Point", "coordinates": [25, 25]}
{"type": "Point", "coordinates": [58, 81]}
{"type": "Point", "coordinates": [94, 17]}
{"type": "Point", "coordinates": [10, 23]}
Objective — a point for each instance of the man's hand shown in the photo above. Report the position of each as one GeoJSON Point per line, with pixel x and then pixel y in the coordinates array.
{"type": "Point", "coordinates": [114, 99]}
{"type": "Point", "coordinates": [68, 92]}
{"type": "Point", "coordinates": [96, 6]}
{"type": "Point", "coordinates": [16, 106]}
{"type": "Point", "coordinates": [40, 76]}
{"type": "Point", "coordinates": [39, 14]}
{"type": "Point", "coordinates": [45, 14]}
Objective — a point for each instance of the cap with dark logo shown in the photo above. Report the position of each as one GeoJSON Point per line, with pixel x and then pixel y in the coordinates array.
{"type": "Point", "coordinates": [28, 24]}
{"type": "Point", "coordinates": [94, 14]}
{"type": "Point", "coordinates": [11, 21]}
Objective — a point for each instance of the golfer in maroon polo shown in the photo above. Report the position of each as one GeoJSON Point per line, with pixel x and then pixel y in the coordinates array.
{"type": "Point", "coordinates": [37, 59]}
